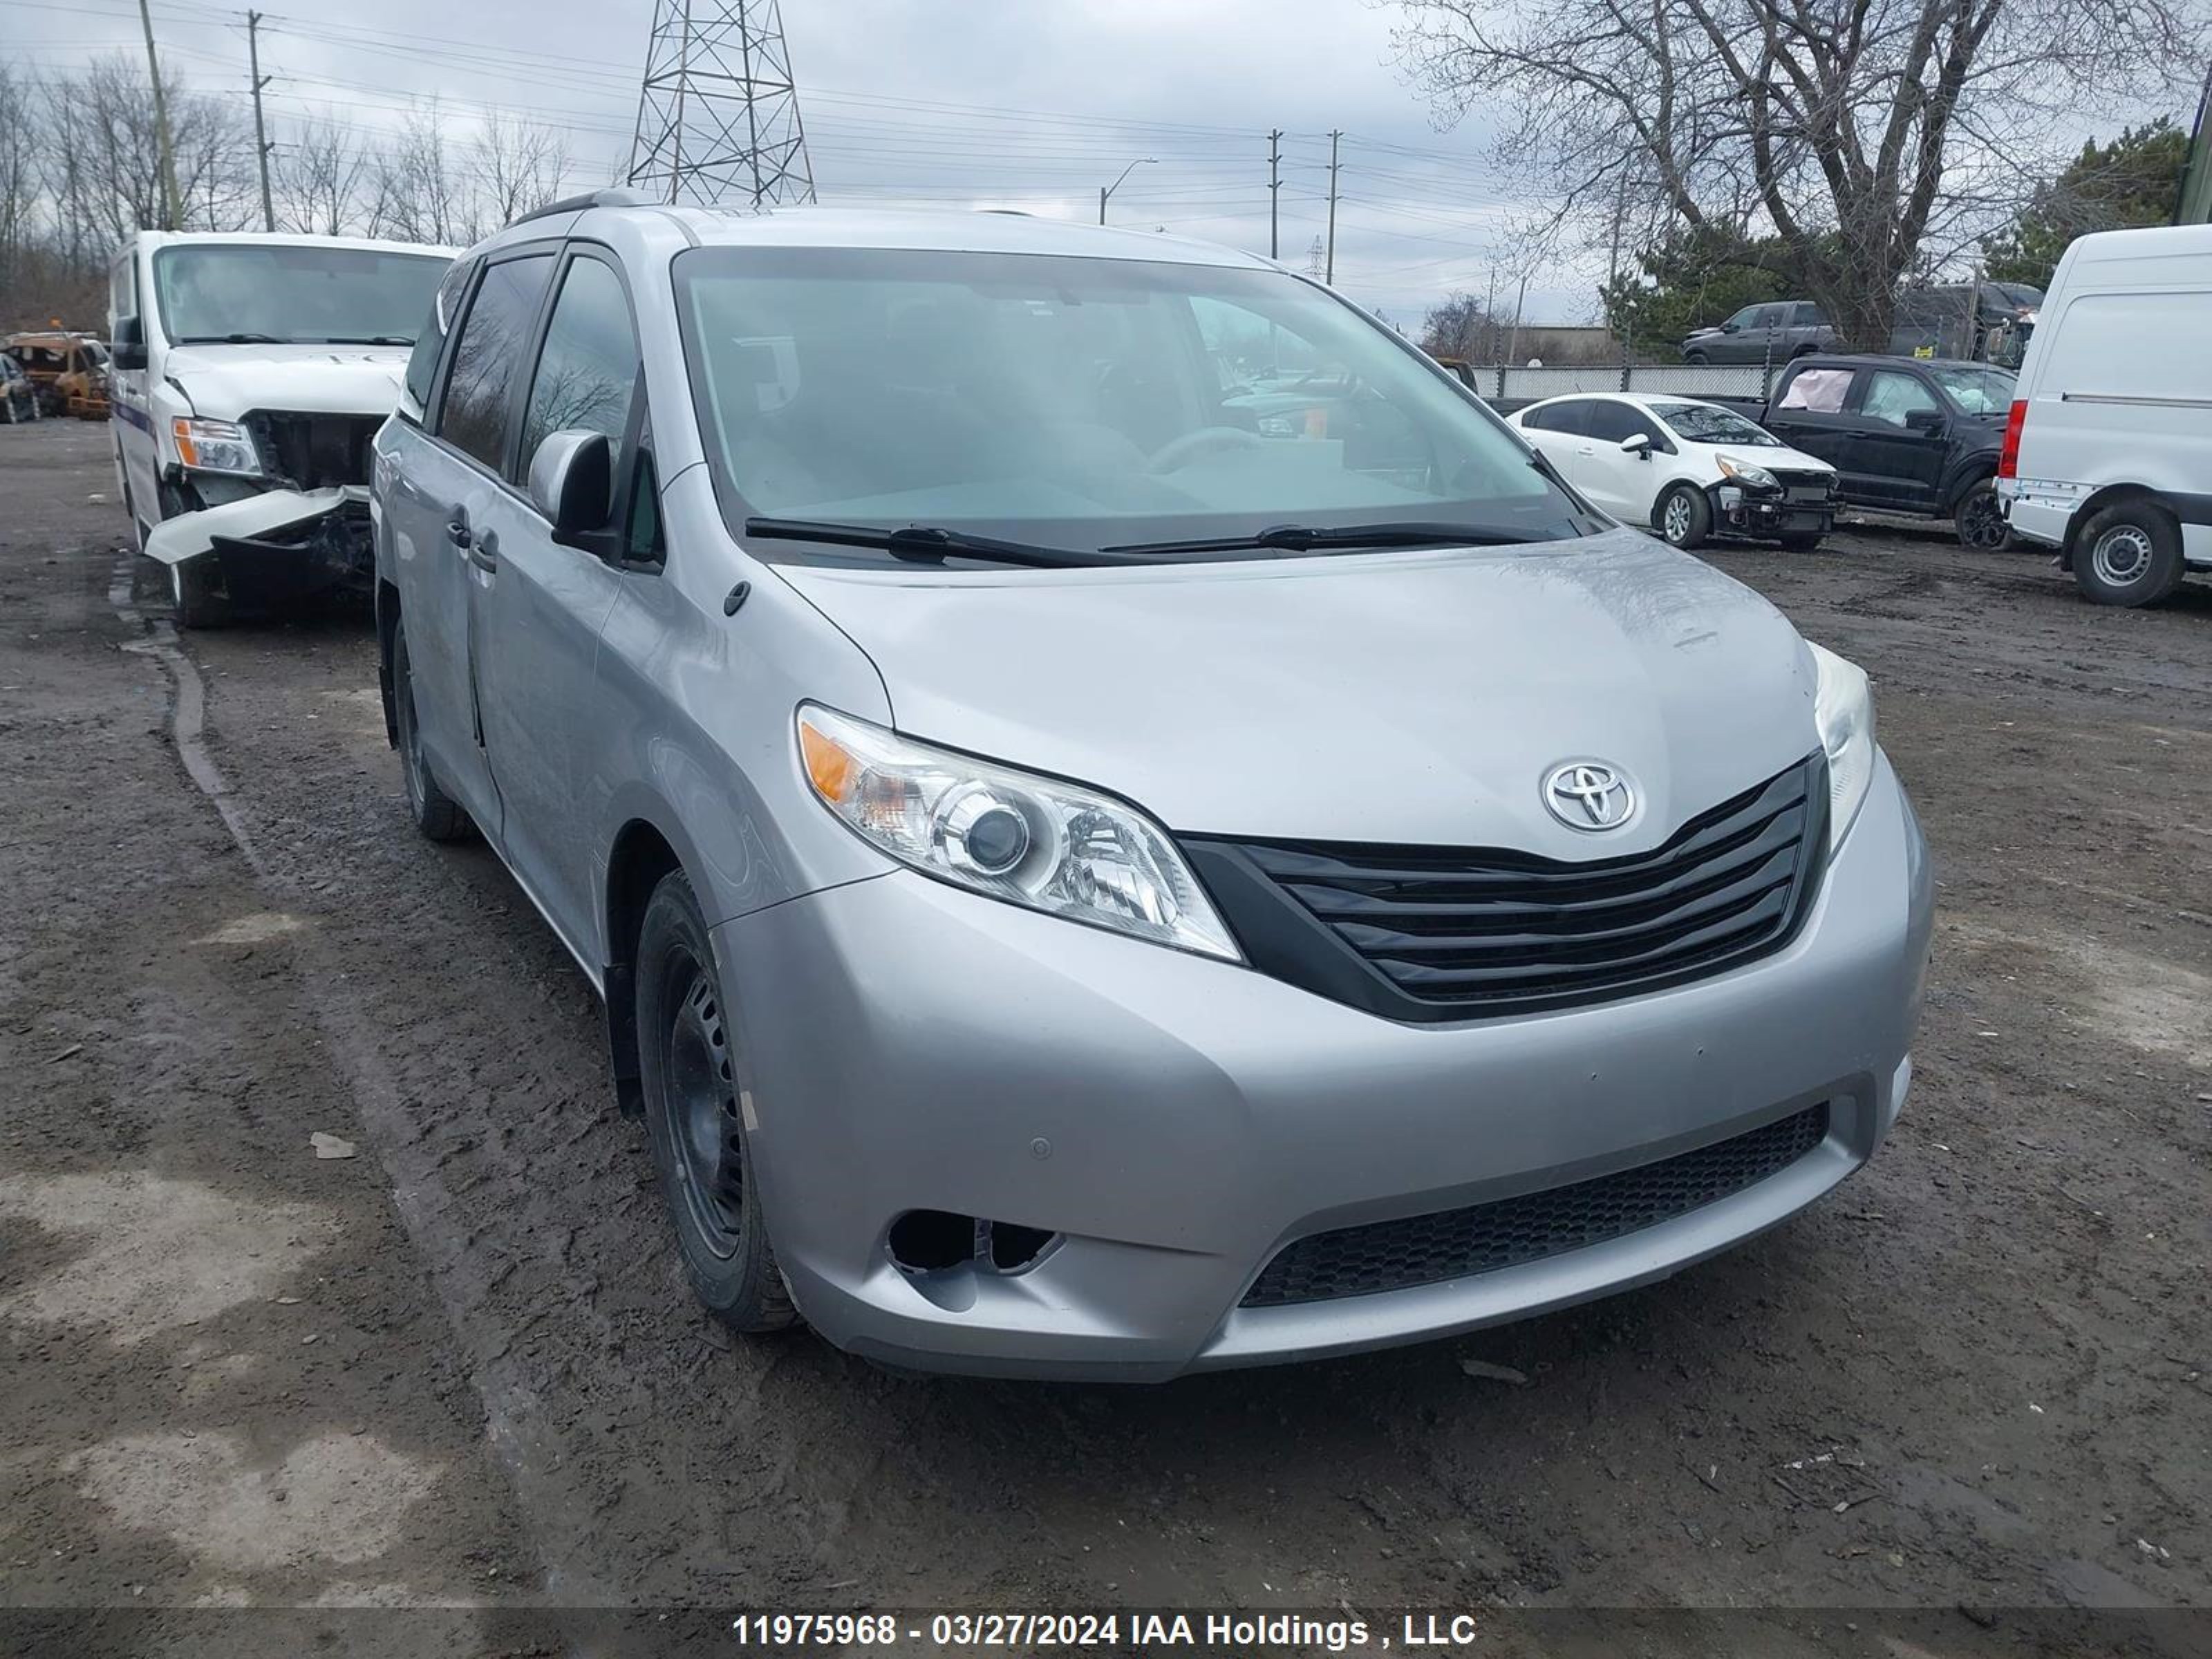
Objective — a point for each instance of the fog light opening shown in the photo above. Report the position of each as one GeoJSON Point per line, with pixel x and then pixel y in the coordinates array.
{"type": "Point", "coordinates": [932, 1241]}
{"type": "Point", "coordinates": [1013, 1247]}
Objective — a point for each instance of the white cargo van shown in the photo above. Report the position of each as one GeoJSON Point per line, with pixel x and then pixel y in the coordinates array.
{"type": "Point", "coordinates": [2108, 449]}
{"type": "Point", "coordinates": [250, 373]}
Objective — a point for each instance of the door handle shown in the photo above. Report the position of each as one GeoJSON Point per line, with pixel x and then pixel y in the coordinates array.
{"type": "Point", "coordinates": [484, 552]}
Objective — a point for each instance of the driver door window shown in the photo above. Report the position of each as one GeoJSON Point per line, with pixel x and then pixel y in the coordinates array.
{"type": "Point", "coordinates": [1892, 397]}
{"type": "Point", "coordinates": [588, 371]}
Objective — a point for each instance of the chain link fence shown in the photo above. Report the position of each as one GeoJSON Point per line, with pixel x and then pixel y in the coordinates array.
{"type": "Point", "coordinates": [1501, 384]}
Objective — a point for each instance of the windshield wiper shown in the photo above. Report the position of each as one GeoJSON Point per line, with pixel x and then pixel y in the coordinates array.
{"type": "Point", "coordinates": [370, 339]}
{"type": "Point", "coordinates": [234, 339]}
{"type": "Point", "coordinates": [1303, 538]}
{"type": "Point", "coordinates": [924, 543]}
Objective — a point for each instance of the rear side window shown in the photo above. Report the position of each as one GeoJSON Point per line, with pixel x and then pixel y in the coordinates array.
{"type": "Point", "coordinates": [422, 365]}
{"type": "Point", "coordinates": [1807, 315]}
{"type": "Point", "coordinates": [479, 406]}
{"type": "Point", "coordinates": [1817, 390]}
{"type": "Point", "coordinates": [588, 369]}
{"type": "Point", "coordinates": [1560, 418]}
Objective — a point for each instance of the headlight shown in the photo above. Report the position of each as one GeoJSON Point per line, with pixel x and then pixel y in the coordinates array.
{"type": "Point", "coordinates": [213, 445]}
{"type": "Point", "coordinates": [1752, 478]}
{"type": "Point", "coordinates": [1842, 709]}
{"type": "Point", "coordinates": [1036, 841]}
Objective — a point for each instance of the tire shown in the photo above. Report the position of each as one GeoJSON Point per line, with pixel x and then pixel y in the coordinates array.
{"type": "Point", "coordinates": [1802, 544]}
{"type": "Point", "coordinates": [436, 814]}
{"type": "Point", "coordinates": [1697, 357]}
{"type": "Point", "coordinates": [2128, 553]}
{"type": "Point", "coordinates": [702, 1150]}
{"type": "Point", "coordinates": [1683, 517]}
{"type": "Point", "coordinates": [189, 598]}
{"type": "Point", "coordinates": [7, 416]}
{"type": "Point", "coordinates": [1979, 519]}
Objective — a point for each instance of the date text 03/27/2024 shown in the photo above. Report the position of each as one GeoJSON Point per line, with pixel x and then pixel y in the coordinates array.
{"type": "Point", "coordinates": [1241, 1631]}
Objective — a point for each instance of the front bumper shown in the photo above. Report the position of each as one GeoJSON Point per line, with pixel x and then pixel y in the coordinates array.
{"type": "Point", "coordinates": [264, 549]}
{"type": "Point", "coordinates": [1740, 512]}
{"type": "Point", "coordinates": [1176, 1121]}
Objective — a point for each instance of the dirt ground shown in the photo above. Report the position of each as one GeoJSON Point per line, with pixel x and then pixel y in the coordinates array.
{"type": "Point", "coordinates": [459, 1371]}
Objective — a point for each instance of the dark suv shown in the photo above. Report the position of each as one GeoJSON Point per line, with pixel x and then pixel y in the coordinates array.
{"type": "Point", "coordinates": [1918, 435]}
{"type": "Point", "coordinates": [1774, 332]}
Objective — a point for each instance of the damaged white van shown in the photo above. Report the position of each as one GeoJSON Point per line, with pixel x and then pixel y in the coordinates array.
{"type": "Point", "coordinates": [250, 373]}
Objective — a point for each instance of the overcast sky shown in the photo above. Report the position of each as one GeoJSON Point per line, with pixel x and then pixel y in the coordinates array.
{"type": "Point", "coordinates": [1027, 103]}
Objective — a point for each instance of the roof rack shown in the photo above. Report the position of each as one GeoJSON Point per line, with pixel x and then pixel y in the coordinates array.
{"type": "Point", "coordinates": [613, 196]}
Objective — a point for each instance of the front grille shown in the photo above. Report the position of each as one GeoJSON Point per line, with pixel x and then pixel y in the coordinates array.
{"type": "Point", "coordinates": [1428, 1249]}
{"type": "Point", "coordinates": [1806, 486]}
{"type": "Point", "coordinates": [313, 452]}
{"type": "Point", "coordinates": [1429, 933]}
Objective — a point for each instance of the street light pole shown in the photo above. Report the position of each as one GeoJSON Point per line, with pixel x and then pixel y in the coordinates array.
{"type": "Point", "coordinates": [1106, 190]}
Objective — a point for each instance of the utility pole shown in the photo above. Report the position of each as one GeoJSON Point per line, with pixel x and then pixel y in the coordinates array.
{"type": "Point", "coordinates": [170, 200]}
{"type": "Point", "coordinates": [260, 132]}
{"type": "Point", "coordinates": [1274, 189]}
{"type": "Point", "coordinates": [1513, 340]}
{"type": "Point", "coordinates": [1329, 275]}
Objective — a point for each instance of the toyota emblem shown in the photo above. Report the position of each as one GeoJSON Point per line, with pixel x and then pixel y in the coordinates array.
{"type": "Point", "coordinates": [1589, 795]}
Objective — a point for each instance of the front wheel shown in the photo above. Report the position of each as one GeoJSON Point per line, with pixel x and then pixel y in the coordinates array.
{"type": "Point", "coordinates": [436, 814]}
{"type": "Point", "coordinates": [1697, 357]}
{"type": "Point", "coordinates": [687, 1066]}
{"type": "Point", "coordinates": [2128, 553]}
{"type": "Point", "coordinates": [1684, 517]}
{"type": "Point", "coordinates": [1980, 518]}
{"type": "Point", "coordinates": [191, 598]}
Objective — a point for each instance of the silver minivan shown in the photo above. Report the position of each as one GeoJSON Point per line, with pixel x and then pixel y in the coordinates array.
{"type": "Point", "coordinates": [1125, 825]}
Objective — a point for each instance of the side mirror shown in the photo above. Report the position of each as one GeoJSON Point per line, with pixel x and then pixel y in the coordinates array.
{"type": "Point", "coordinates": [1731, 326]}
{"type": "Point", "coordinates": [1923, 420]}
{"type": "Point", "coordinates": [571, 486]}
{"type": "Point", "coordinates": [127, 348]}
{"type": "Point", "coordinates": [1637, 444]}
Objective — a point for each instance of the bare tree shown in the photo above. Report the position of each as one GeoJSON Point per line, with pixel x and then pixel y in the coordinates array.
{"type": "Point", "coordinates": [102, 157]}
{"type": "Point", "coordinates": [523, 165]}
{"type": "Point", "coordinates": [420, 195]}
{"type": "Point", "coordinates": [1873, 138]}
{"type": "Point", "coordinates": [319, 176]}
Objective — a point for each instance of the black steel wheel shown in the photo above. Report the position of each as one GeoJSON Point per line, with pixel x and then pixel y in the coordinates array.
{"type": "Point", "coordinates": [687, 1076]}
{"type": "Point", "coordinates": [2128, 554]}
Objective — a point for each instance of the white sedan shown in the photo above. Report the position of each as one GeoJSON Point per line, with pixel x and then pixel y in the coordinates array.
{"type": "Point", "coordinates": [1688, 469]}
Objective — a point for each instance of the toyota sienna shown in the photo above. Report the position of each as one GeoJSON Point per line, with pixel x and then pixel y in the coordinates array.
{"type": "Point", "coordinates": [1124, 823]}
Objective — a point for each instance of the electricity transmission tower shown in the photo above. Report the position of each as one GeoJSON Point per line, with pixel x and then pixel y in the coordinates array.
{"type": "Point", "coordinates": [717, 116]}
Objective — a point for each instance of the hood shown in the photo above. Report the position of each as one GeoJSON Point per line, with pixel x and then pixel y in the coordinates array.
{"type": "Point", "coordinates": [226, 382]}
{"type": "Point", "coordinates": [1414, 697]}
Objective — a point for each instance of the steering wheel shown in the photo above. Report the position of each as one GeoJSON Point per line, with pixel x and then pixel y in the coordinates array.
{"type": "Point", "coordinates": [1181, 451]}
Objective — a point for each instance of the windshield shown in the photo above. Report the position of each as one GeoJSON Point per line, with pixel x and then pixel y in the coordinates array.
{"type": "Point", "coordinates": [294, 295]}
{"type": "Point", "coordinates": [1078, 403]}
{"type": "Point", "coordinates": [1707, 423]}
{"type": "Point", "coordinates": [1976, 391]}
